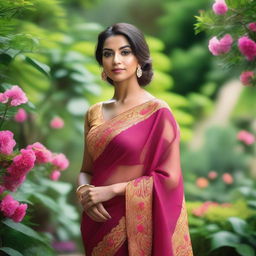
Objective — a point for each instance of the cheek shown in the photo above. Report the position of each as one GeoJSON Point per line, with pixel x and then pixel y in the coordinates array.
{"type": "Point", "coordinates": [131, 62]}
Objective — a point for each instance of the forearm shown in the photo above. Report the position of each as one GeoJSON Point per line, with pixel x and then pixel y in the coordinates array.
{"type": "Point", "coordinates": [119, 188]}
{"type": "Point", "coordinates": [84, 178]}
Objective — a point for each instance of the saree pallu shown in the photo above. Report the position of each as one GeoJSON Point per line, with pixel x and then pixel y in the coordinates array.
{"type": "Point", "coordinates": [139, 146]}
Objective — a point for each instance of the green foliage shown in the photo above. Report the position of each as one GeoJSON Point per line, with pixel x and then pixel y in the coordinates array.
{"type": "Point", "coordinates": [176, 25]}
{"type": "Point", "coordinates": [221, 228]}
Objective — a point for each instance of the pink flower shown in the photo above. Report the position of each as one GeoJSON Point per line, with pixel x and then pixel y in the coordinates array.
{"type": "Point", "coordinates": [202, 182]}
{"type": "Point", "coordinates": [21, 116]}
{"type": "Point", "coordinates": [60, 161]}
{"type": "Point", "coordinates": [19, 213]}
{"type": "Point", "coordinates": [23, 162]}
{"type": "Point", "coordinates": [15, 96]}
{"type": "Point", "coordinates": [247, 47]}
{"type": "Point", "coordinates": [202, 209]}
{"type": "Point", "coordinates": [57, 123]}
{"type": "Point", "coordinates": [55, 175]}
{"type": "Point", "coordinates": [221, 46]}
{"type": "Point", "coordinates": [2, 189]}
{"type": "Point", "coordinates": [212, 175]}
{"type": "Point", "coordinates": [252, 26]}
{"type": "Point", "coordinates": [247, 137]}
{"type": "Point", "coordinates": [7, 142]}
{"type": "Point", "coordinates": [246, 77]}
{"type": "Point", "coordinates": [43, 155]}
{"type": "Point", "coordinates": [11, 182]}
{"type": "Point", "coordinates": [220, 7]}
{"type": "Point", "coordinates": [21, 165]}
{"type": "Point", "coordinates": [227, 178]}
{"type": "Point", "coordinates": [8, 206]}
{"type": "Point", "coordinates": [2, 97]}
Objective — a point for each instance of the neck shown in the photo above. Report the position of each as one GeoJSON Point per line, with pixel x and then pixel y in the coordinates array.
{"type": "Point", "coordinates": [127, 90]}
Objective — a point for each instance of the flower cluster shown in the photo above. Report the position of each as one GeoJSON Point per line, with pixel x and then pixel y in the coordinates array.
{"type": "Point", "coordinates": [25, 161]}
{"type": "Point", "coordinates": [17, 164]}
{"type": "Point", "coordinates": [202, 209]}
{"type": "Point", "coordinates": [12, 208]}
{"type": "Point", "coordinates": [14, 96]}
{"type": "Point", "coordinates": [242, 40]}
{"type": "Point", "coordinates": [17, 171]}
{"type": "Point", "coordinates": [203, 182]}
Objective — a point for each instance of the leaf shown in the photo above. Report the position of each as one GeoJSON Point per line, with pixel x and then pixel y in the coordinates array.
{"type": "Point", "coordinates": [23, 229]}
{"type": "Point", "coordinates": [62, 188]}
{"type": "Point", "coordinates": [223, 238]}
{"type": "Point", "coordinates": [43, 68]}
{"type": "Point", "coordinates": [244, 250]}
{"type": "Point", "coordinates": [47, 201]}
{"type": "Point", "coordinates": [5, 58]}
{"type": "Point", "coordinates": [238, 225]}
{"type": "Point", "coordinates": [252, 203]}
{"type": "Point", "coordinates": [10, 251]}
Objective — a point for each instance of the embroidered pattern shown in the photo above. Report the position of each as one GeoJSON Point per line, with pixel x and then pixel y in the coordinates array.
{"type": "Point", "coordinates": [100, 135]}
{"type": "Point", "coordinates": [112, 241]}
{"type": "Point", "coordinates": [181, 242]}
{"type": "Point", "coordinates": [139, 216]}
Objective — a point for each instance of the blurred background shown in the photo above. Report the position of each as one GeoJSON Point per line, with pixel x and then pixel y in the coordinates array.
{"type": "Point", "coordinates": [47, 48]}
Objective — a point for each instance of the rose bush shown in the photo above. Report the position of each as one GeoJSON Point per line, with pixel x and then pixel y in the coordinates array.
{"type": "Point", "coordinates": [234, 22]}
{"type": "Point", "coordinates": [25, 177]}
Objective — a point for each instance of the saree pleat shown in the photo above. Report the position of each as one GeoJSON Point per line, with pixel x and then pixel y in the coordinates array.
{"type": "Point", "coordinates": [141, 147]}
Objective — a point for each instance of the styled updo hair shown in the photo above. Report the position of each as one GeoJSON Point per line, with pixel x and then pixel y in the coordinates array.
{"type": "Point", "coordinates": [138, 44]}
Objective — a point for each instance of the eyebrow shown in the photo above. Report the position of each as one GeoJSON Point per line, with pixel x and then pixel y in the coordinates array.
{"type": "Point", "coordinates": [119, 48]}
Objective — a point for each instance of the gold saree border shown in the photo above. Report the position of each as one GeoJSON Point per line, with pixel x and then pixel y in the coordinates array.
{"type": "Point", "coordinates": [112, 241]}
{"type": "Point", "coordinates": [99, 136]}
{"type": "Point", "coordinates": [181, 243]}
{"type": "Point", "coordinates": [139, 196]}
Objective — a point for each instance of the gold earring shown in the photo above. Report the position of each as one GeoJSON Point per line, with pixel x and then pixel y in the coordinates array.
{"type": "Point", "coordinates": [103, 76]}
{"type": "Point", "coordinates": [139, 71]}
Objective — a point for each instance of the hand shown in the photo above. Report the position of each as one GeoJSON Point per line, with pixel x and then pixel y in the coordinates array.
{"type": "Point", "coordinates": [98, 213]}
{"type": "Point", "coordinates": [95, 195]}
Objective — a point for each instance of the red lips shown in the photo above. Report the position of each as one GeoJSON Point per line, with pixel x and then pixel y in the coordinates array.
{"type": "Point", "coordinates": [117, 70]}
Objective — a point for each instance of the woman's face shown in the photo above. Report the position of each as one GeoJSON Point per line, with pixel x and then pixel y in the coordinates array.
{"type": "Point", "coordinates": [118, 60]}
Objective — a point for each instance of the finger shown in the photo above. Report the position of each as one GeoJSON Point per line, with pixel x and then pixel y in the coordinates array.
{"type": "Point", "coordinates": [93, 216]}
{"type": "Point", "coordinates": [101, 216]}
{"type": "Point", "coordinates": [87, 203]}
{"type": "Point", "coordinates": [103, 211]}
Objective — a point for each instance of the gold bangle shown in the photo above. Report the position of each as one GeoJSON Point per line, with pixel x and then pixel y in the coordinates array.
{"type": "Point", "coordinates": [82, 186]}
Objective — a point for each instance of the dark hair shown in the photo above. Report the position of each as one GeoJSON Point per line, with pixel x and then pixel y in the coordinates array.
{"type": "Point", "coordinates": [138, 45]}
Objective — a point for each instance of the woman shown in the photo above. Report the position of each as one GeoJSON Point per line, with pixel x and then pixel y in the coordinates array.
{"type": "Point", "coordinates": [135, 203]}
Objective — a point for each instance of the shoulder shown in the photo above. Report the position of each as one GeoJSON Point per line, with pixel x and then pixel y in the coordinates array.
{"type": "Point", "coordinates": [162, 104]}
{"type": "Point", "coordinates": [164, 107]}
{"type": "Point", "coordinates": [93, 113]}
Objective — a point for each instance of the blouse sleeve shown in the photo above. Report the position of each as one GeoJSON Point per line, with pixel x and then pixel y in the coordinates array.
{"type": "Point", "coordinates": [87, 159]}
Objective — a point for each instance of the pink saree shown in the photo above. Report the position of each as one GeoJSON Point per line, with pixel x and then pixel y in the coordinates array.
{"type": "Point", "coordinates": [139, 146]}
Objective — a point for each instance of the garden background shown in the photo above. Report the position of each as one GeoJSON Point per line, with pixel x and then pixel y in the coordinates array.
{"type": "Point", "coordinates": [47, 50]}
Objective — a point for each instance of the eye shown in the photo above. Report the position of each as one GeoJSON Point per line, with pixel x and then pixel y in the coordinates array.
{"type": "Point", "coordinates": [106, 54]}
{"type": "Point", "coordinates": [125, 52]}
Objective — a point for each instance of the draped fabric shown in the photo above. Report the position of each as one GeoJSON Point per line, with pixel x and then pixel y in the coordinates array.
{"type": "Point", "coordinates": [139, 146]}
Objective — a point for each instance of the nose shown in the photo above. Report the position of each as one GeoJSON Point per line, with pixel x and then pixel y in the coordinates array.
{"type": "Point", "coordinates": [116, 58]}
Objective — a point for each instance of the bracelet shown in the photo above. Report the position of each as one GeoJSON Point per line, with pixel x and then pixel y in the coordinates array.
{"type": "Point", "coordinates": [82, 186]}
